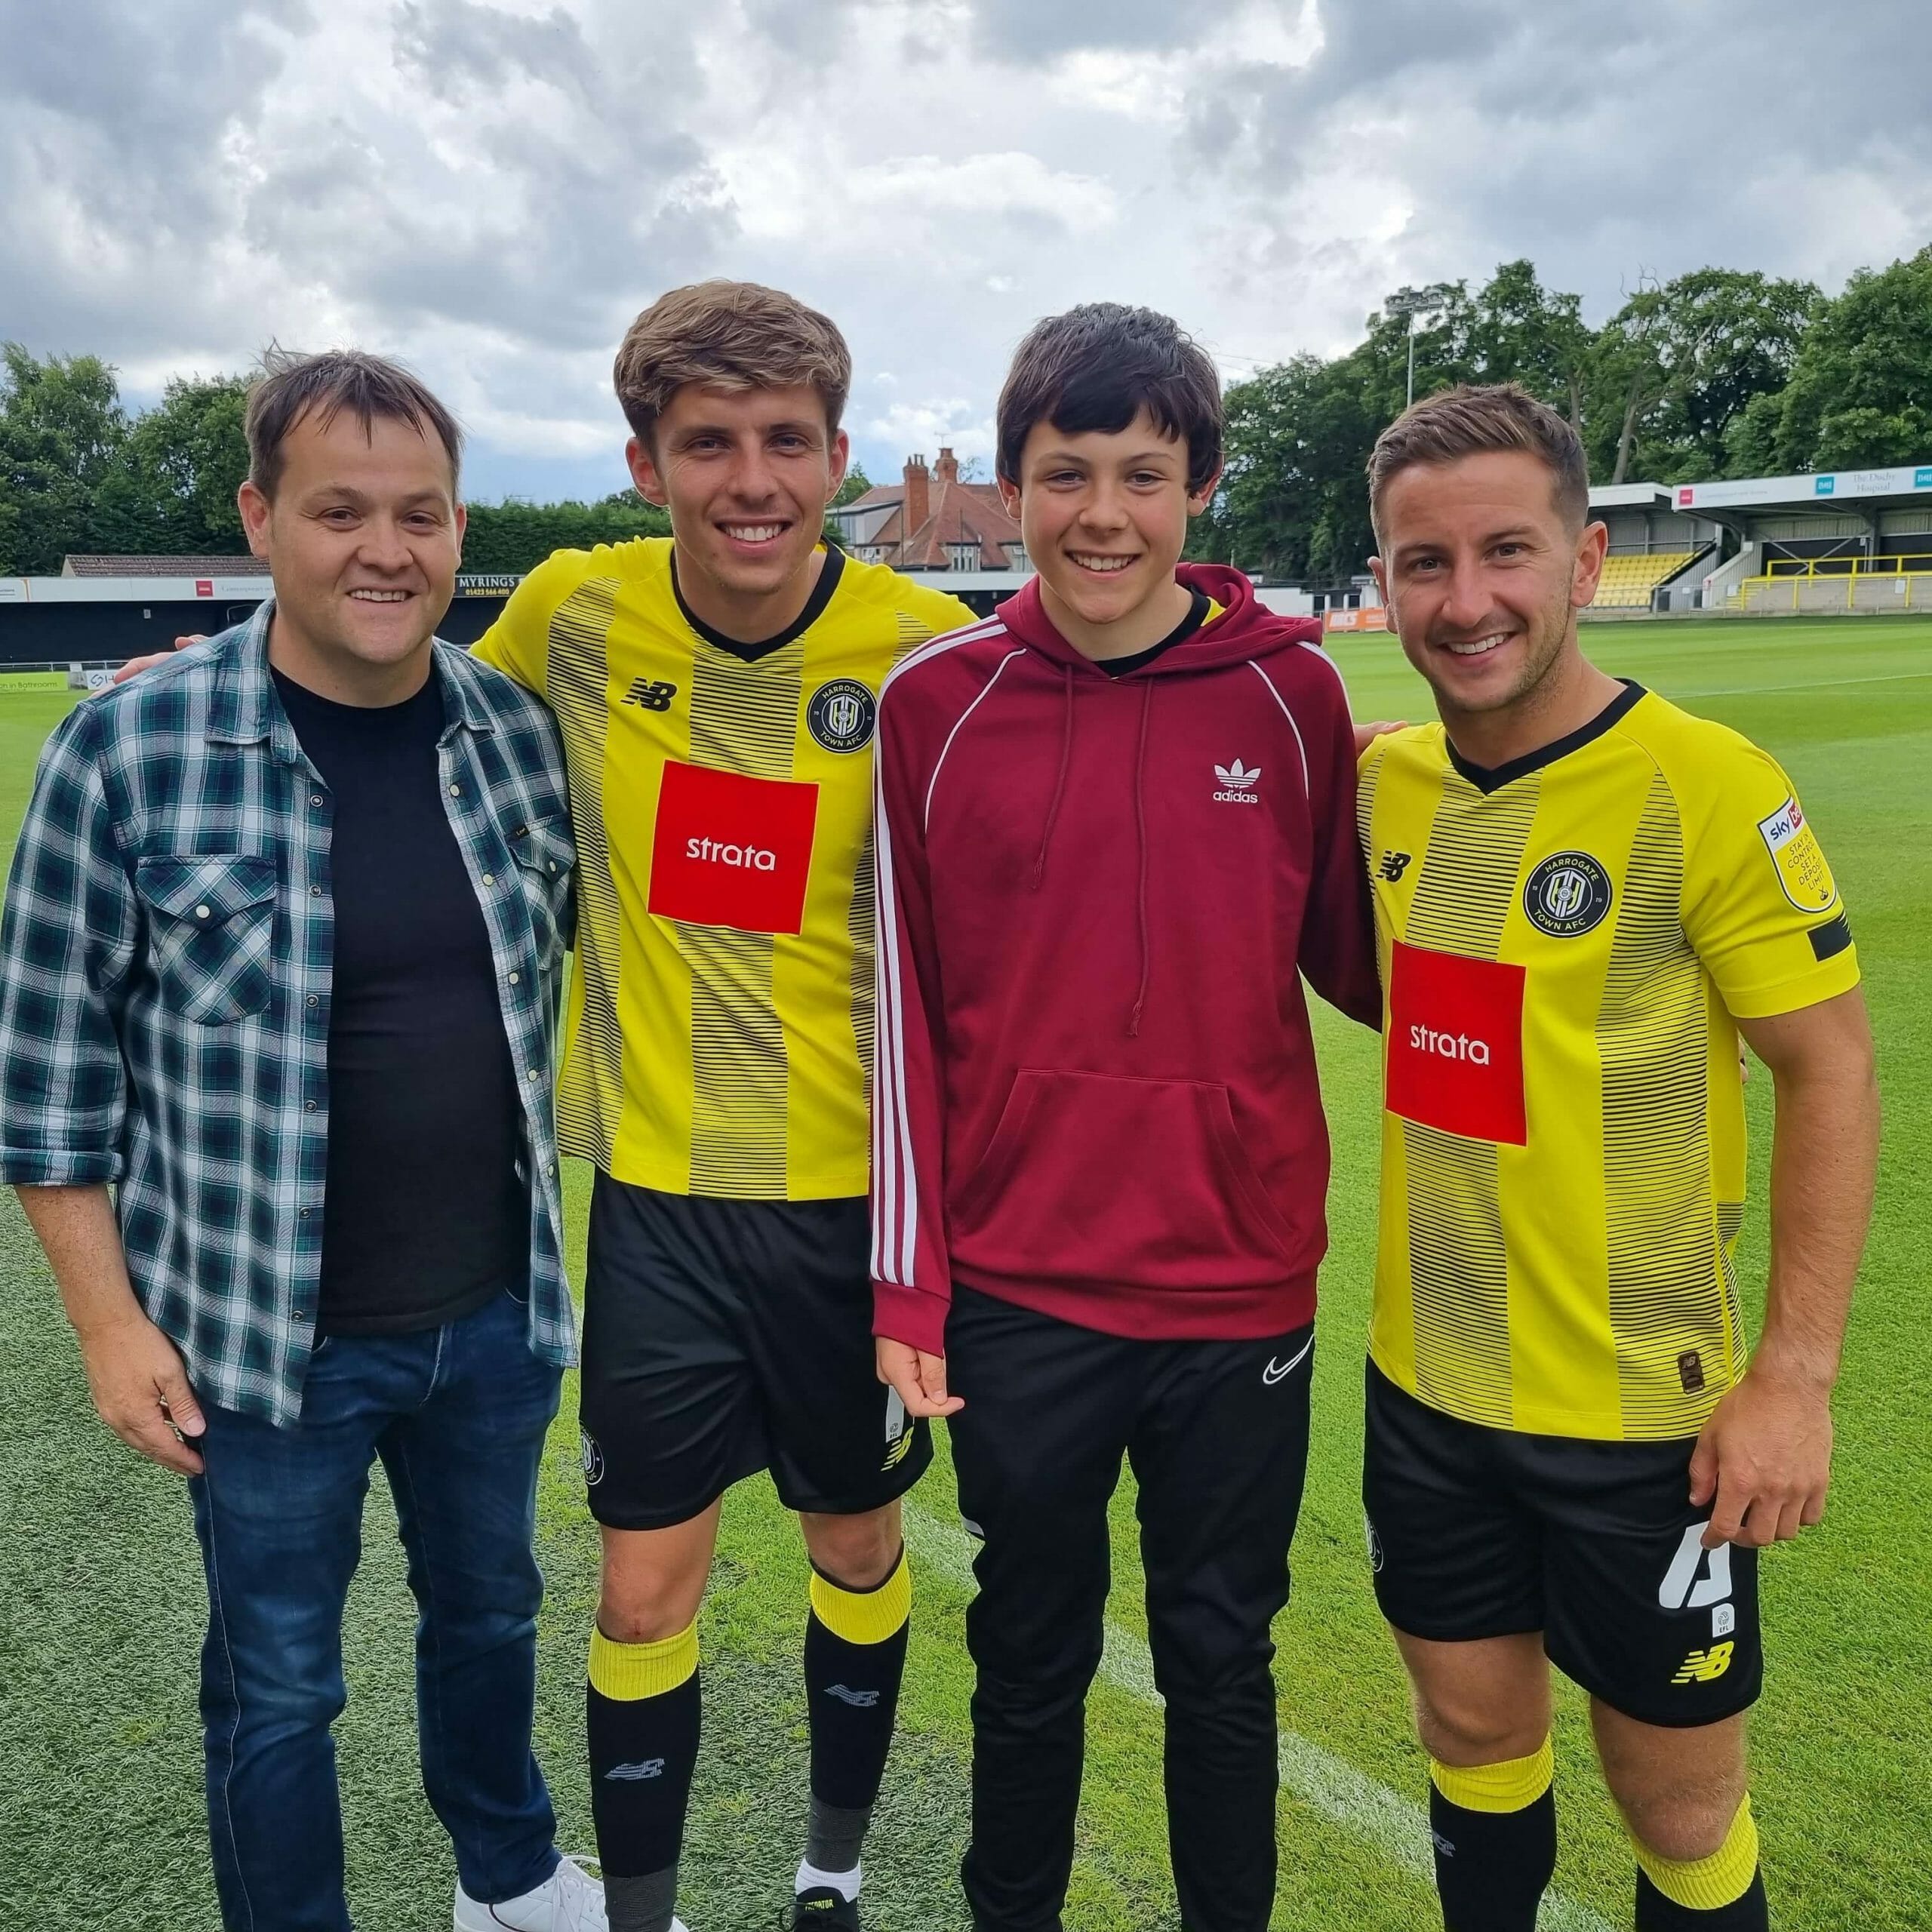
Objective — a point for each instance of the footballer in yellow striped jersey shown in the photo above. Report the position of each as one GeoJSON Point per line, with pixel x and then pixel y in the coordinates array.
{"type": "Point", "coordinates": [718, 1036]}
{"type": "Point", "coordinates": [717, 692]}
{"type": "Point", "coordinates": [1583, 896]}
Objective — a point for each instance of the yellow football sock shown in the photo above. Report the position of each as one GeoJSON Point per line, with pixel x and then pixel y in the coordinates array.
{"type": "Point", "coordinates": [1706, 1884]}
{"type": "Point", "coordinates": [1506, 1787]}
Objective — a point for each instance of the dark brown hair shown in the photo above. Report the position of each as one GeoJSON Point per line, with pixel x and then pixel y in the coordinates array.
{"type": "Point", "coordinates": [728, 335]}
{"type": "Point", "coordinates": [1471, 419]}
{"type": "Point", "coordinates": [290, 385]}
{"type": "Point", "coordinates": [1096, 368]}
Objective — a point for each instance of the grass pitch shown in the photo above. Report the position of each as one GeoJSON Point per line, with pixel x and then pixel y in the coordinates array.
{"type": "Point", "coordinates": [101, 1601]}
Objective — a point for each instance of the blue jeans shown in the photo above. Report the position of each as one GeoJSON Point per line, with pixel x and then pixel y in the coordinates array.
{"type": "Point", "coordinates": [458, 1415]}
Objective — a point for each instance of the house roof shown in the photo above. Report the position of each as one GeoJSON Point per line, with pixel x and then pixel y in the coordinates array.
{"type": "Point", "coordinates": [74, 566]}
{"type": "Point", "coordinates": [957, 513]}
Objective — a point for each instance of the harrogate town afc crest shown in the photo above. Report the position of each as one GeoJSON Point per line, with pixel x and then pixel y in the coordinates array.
{"type": "Point", "coordinates": [1567, 895]}
{"type": "Point", "coordinates": [841, 714]}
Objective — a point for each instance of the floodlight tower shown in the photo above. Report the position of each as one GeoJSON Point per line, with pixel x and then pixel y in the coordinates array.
{"type": "Point", "coordinates": [1414, 304]}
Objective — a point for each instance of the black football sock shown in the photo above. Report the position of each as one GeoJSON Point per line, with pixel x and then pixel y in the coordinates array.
{"type": "Point", "coordinates": [642, 1709]}
{"type": "Point", "coordinates": [855, 1656]}
{"type": "Point", "coordinates": [1494, 1827]}
{"type": "Point", "coordinates": [1724, 1892]}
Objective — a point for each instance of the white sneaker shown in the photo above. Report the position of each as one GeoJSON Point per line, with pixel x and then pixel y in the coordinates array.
{"type": "Point", "coordinates": [569, 1900]}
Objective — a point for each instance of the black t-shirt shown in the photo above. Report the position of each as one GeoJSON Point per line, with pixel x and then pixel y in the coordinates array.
{"type": "Point", "coordinates": [425, 1219]}
{"type": "Point", "coordinates": [1197, 615]}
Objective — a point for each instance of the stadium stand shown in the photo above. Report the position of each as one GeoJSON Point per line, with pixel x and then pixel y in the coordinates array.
{"type": "Point", "coordinates": [1830, 542]}
{"type": "Point", "coordinates": [1791, 585]}
{"type": "Point", "coordinates": [1629, 580]}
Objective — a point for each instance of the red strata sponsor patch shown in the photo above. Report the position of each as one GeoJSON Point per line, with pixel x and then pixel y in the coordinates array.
{"type": "Point", "coordinates": [1455, 1049]}
{"type": "Point", "coordinates": [731, 851]}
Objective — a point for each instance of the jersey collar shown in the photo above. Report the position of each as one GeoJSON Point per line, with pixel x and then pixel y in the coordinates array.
{"type": "Point", "coordinates": [829, 572]}
{"type": "Point", "coordinates": [1492, 778]}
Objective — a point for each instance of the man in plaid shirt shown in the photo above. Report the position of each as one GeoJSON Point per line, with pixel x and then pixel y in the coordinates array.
{"type": "Point", "coordinates": [279, 966]}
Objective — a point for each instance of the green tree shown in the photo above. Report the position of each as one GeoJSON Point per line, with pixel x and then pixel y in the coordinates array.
{"type": "Point", "coordinates": [1682, 361]}
{"type": "Point", "coordinates": [857, 484]}
{"type": "Point", "coordinates": [1632, 375]}
{"type": "Point", "coordinates": [1521, 332]}
{"type": "Point", "coordinates": [1860, 394]}
{"type": "Point", "coordinates": [1749, 329]}
{"type": "Point", "coordinates": [171, 490]}
{"type": "Point", "coordinates": [509, 538]}
{"type": "Point", "coordinates": [61, 429]}
{"type": "Point", "coordinates": [1293, 499]}
{"type": "Point", "coordinates": [1379, 368]}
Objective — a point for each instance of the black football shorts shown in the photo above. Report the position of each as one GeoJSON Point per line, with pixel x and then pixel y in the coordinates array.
{"type": "Point", "coordinates": [1476, 1532]}
{"type": "Point", "coordinates": [722, 1337]}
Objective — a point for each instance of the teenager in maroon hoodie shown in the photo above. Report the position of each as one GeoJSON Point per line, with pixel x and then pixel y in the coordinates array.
{"type": "Point", "coordinates": [1116, 827]}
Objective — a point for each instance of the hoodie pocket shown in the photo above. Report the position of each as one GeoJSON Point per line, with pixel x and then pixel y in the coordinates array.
{"type": "Point", "coordinates": [1094, 1178]}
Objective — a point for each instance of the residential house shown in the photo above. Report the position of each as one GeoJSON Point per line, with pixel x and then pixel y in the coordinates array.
{"type": "Point", "coordinates": [932, 521]}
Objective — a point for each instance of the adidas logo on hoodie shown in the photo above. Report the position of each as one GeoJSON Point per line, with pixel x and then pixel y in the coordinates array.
{"type": "Point", "coordinates": [1237, 786]}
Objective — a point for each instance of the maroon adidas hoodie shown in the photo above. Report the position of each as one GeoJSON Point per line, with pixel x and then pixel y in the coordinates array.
{"type": "Point", "coordinates": [1096, 1092]}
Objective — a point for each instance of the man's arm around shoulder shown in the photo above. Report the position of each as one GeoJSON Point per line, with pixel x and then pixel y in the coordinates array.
{"type": "Point", "coordinates": [518, 643]}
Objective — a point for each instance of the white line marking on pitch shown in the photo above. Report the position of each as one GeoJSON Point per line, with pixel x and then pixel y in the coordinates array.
{"type": "Point", "coordinates": [1396, 1827]}
{"type": "Point", "coordinates": [1816, 684]}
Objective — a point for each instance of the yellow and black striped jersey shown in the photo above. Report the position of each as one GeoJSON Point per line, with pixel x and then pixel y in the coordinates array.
{"type": "Point", "coordinates": [718, 1036]}
{"type": "Point", "coordinates": [1564, 943]}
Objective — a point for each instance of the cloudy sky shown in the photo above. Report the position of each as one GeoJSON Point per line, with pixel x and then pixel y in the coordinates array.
{"type": "Point", "coordinates": [491, 189]}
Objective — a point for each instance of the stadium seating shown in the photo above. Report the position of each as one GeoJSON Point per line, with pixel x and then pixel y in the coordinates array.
{"type": "Point", "coordinates": [1628, 580]}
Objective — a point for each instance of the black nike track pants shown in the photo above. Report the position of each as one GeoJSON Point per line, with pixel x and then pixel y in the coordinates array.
{"type": "Point", "coordinates": [1216, 1433]}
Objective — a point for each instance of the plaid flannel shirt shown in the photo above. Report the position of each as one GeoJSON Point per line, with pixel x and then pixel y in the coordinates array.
{"type": "Point", "coordinates": [165, 970]}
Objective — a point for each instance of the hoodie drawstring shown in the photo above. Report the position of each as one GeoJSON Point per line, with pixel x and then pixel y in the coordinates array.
{"type": "Point", "coordinates": [1140, 833]}
{"type": "Point", "coordinates": [1059, 783]}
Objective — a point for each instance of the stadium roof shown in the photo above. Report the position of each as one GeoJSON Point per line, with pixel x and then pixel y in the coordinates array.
{"type": "Point", "coordinates": [1832, 486]}
{"type": "Point", "coordinates": [74, 566]}
{"type": "Point", "coordinates": [1627, 496]}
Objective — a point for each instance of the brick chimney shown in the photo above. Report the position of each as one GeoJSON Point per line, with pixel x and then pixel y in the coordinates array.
{"type": "Point", "coordinates": [918, 504]}
{"type": "Point", "coordinates": [947, 468]}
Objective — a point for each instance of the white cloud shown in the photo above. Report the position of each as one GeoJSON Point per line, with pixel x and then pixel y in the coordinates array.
{"type": "Point", "coordinates": [492, 188]}
{"type": "Point", "coordinates": [911, 428]}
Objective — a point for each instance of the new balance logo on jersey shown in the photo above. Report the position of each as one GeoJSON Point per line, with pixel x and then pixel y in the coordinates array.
{"type": "Point", "coordinates": [645, 1767]}
{"type": "Point", "coordinates": [1237, 784]}
{"type": "Point", "coordinates": [649, 696]}
{"type": "Point", "coordinates": [1705, 1666]}
{"type": "Point", "coordinates": [1393, 865]}
{"type": "Point", "coordinates": [860, 1700]}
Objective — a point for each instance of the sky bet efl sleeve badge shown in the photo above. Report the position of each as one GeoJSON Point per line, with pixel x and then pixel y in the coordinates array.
{"type": "Point", "coordinates": [1800, 860]}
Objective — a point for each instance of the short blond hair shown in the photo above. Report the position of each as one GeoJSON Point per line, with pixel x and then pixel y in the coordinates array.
{"type": "Point", "coordinates": [1477, 419]}
{"type": "Point", "coordinates": [729, 335]}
